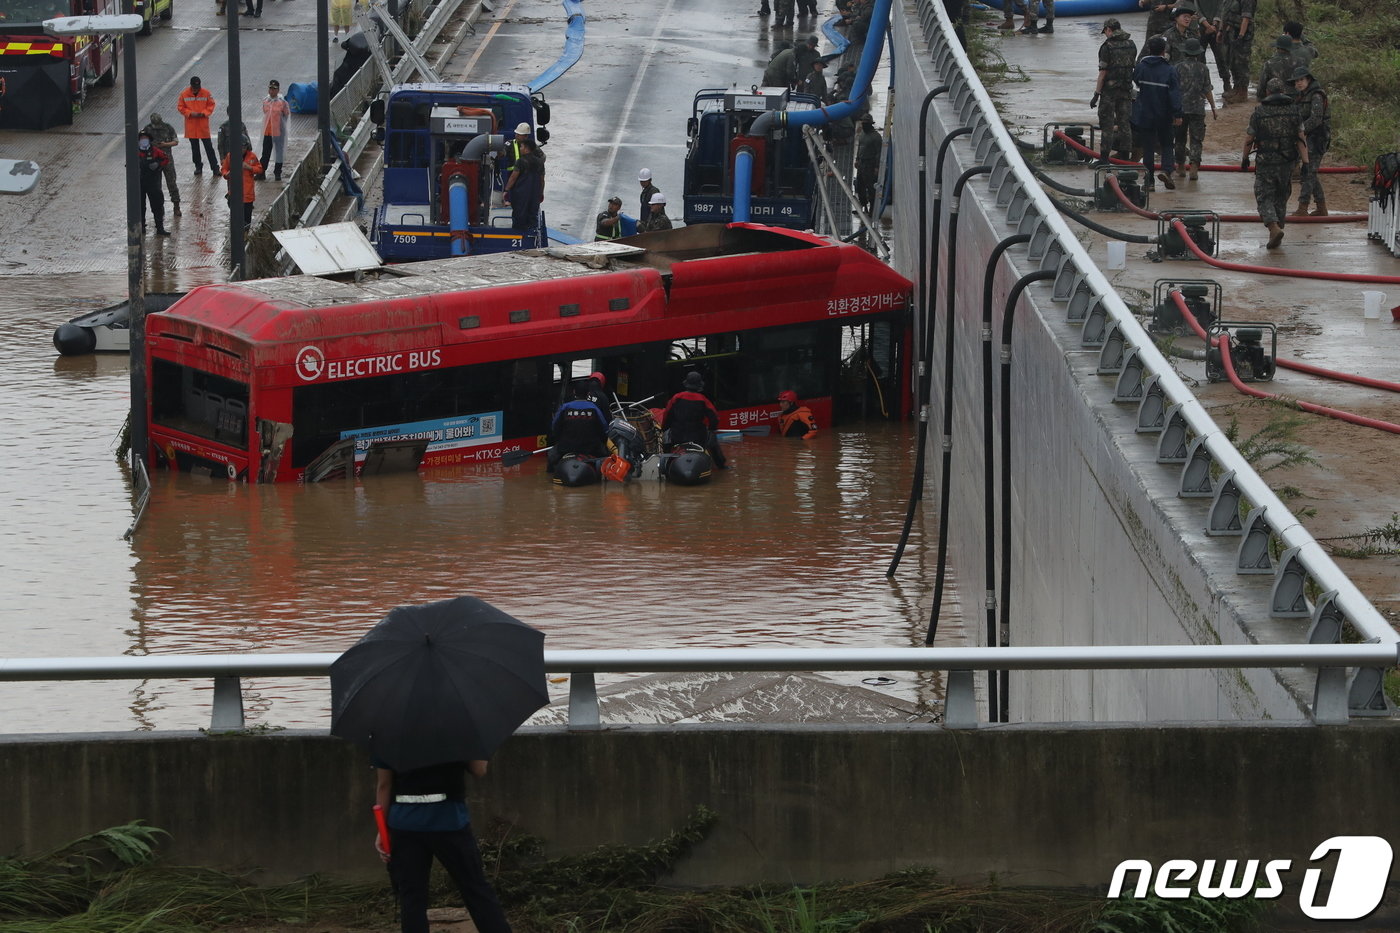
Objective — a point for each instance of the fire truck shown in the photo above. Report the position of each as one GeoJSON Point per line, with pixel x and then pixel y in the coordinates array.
{"type": "Point", "coordinates": [47, 78]}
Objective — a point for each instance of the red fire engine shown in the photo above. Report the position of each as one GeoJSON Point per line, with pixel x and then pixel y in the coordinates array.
{"type": "Point", "coordinates": [47, 78]}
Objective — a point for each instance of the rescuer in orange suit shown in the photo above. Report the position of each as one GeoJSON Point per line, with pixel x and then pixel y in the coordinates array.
{"type": "Point", "coordinates": [252, 168]}
{"type": "Point", "coordinates": [196, 105]}
{"type": "Point", "coordinates": [794, 420]}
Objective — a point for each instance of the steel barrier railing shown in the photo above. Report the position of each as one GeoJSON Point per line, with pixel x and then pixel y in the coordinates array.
{"type": "Point", "coordinates": [1272, 540]}
{"type": "Point", "coordinates": [1330, 705]}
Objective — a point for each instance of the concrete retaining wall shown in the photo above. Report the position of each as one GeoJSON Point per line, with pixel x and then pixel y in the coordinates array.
{"type": "Point", "coordinates": [1103, 550]}
{"type": "Point", "coordinates": [1036, 804]}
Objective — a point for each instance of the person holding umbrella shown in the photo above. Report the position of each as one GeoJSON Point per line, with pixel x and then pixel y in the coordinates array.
{"type": "Point", "coordinates": [427, 819]}
{"type": "Point", "coordinates": [432, 691]}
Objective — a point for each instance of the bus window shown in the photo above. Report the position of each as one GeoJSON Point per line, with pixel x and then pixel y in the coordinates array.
{"type": "Point", "coordinates": [802, 359]}
{"type": "Point", "coordinates": [199, 403]}
{"type": "Point", "coordinates": [323, 412]}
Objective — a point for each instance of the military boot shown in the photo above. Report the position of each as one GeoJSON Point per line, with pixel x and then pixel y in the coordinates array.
{"type": "Point", "coordinates": [1321, 209]}
{"type": "Point", "coordinates": [1194, 171]}
{"type": "Point", "coordinates": [277, 171]}
{"type": "Point", "coordinates": [1275, 236]}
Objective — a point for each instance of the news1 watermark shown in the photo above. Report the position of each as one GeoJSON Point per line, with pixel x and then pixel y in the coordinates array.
{"type": "Point", "coordinates": [1358, 879]}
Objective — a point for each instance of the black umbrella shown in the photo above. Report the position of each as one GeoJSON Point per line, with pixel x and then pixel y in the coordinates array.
{"type": "Point", "coordinates": [446, 681]}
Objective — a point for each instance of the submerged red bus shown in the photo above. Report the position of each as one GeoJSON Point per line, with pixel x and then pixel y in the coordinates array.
{"type": "Point", "coordinates": [255, 380]}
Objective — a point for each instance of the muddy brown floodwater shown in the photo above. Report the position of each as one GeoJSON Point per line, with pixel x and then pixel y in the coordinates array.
{"type": "Point", "coordinates": [787, 549]}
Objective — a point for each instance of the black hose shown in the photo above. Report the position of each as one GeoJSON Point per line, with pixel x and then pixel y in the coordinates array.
{"type": "Point", "coordinates": [916, 487]}
{"type": "Point", "coordinates": [1059, 185]}
{"type": "Point", "coordinates": [924, 318]}
{"type": "Point", "coordinates": [948, 365]}
{"type": "Point", "coordinates": [1004, 635]}
{"type": "Point", "coordinates": [1098, 227]}
{"type": "Point", "coordinates": [946, 491]}
{"type": "Point", "coordinates": [1023, 145]}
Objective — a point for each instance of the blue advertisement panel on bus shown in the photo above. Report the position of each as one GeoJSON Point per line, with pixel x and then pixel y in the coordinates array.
{"type": "Point", "coordinates": [442, 434]}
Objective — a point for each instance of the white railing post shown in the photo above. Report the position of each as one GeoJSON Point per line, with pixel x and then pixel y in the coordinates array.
{"type": "Point", "coordinates": [228, 705]}
{"type": "Point", "coordinates": [583, 701]}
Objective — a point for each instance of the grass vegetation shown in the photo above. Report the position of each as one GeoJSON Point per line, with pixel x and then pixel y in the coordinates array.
{"type": "Point", "coordinates": [112, 882]}
{"type": "Point", "coordinates": [1358, 62]}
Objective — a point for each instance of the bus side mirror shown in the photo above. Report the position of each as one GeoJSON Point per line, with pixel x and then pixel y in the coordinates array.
{"type": "Point", "coordinates": [376, 112]}
{"type": "Point", "coordinates": [542, 135]}
{"type": "Point", "coordinates": [692, 126]}
{"type": "Point", "coordinates": [541, 110]}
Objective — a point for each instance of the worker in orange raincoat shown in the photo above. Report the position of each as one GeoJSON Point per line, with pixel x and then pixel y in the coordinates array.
{"type": "Point", "coordinates": [196, 105]}
{"type": "Point", "coordinates": [794, 420]}
{"type": "Point", "coordinates": [252, 168]}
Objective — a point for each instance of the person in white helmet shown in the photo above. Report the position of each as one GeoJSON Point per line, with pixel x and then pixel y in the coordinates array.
{"type": "Point", "coordinates": [648, 189]}
{"type": "Point", "coordinates": [512, 153]}
{"type": "Point", "coordinates": [655, 218]}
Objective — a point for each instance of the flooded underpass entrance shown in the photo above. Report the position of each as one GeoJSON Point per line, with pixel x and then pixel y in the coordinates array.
{"type": "Point", "coordinates": [788, 548]}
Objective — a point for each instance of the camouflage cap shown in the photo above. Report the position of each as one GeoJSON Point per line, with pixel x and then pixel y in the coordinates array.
{"type": "Point", "coordinates": [1276, 86]}
{"type": "Point", "coordinates": [1183, 8]}
{"type": "Point", "coordinates": [1111, 24]}
{"type": "Point", "coordinates": [1300, 72]}
{"type": "Point", "coordinates": [1283, 42]}
{"type": "Point", "coordinates": [1193, 46]}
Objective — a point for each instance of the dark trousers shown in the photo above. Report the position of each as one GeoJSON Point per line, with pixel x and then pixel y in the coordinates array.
{"type": "Point", "coordinates": [458, 853]}
{"type": "Point", "coordinates": [151, 194]}
{"type": "Point", "coordinates": [208, 150]}
{"type": "Point", "coordinates": [1158, 139]}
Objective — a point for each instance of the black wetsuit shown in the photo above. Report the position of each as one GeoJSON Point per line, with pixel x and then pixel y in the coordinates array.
{"type": "Point", "coordinates": [692, 419]}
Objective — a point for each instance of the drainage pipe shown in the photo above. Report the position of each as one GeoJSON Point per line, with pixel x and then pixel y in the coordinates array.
{"type": "Point", "coordinates": [1112, 182]}
{"type": "Point", "coordinates": [1180, 228]}
{"type": "Point", "coordinates": [573, 47]}
{"type": "Point", "coordinates": [1222, 343]}
{"type": "Point", "coordinates": [1080, 147]}
{"type": "Point", "coordinates": [458, 216]}
{"type": "Point", "coordinates": [929, 273]}
{"type": "Point", "coordinates": [1058, 185]}
{"type": "Point", "coordinates": [945, 489]}
{"type": "Point", "coordinates": [860, 86]}
{"type": "Point", "coordinates": [1098, 227]}
{"type": "Point", "coordinates": [743, 183]}
{"type": "Point", "coordinates": [1007, 321]}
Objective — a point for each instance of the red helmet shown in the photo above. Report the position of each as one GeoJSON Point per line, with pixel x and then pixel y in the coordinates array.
{"type": "Point", "coordinates": [602, 380]}
{"type": "Point", "coordinates": [787, 395]}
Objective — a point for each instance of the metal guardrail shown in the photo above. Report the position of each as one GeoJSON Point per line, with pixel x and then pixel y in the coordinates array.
{"type": "Point", "coordinates": [1272, 540]}
{"type": "Point", "coordinates": [960, 707]}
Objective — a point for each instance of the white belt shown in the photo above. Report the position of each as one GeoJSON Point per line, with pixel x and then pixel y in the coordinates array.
{"type": "Point", "coordinates": [420, 798]}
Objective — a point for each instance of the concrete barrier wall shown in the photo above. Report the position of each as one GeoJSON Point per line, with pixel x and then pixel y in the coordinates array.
{"type": "Point", "coordinates": [1103, 550]}
{"type": "Point", "coordinates": [1033, 804]}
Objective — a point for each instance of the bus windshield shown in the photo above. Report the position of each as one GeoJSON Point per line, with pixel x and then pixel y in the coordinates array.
{"type": "Point", "coordinates": [17, 12]}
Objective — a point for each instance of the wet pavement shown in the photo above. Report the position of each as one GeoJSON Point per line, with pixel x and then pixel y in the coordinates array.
{"type": "Point", "coordinates": [787, 549]}
{"type": "Point", "coordinates": [1352, 488]}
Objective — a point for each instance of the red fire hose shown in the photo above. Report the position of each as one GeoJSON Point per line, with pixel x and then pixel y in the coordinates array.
{"type": "Point", "coordinates": [1079, 147]}
{"type": "Point", "coordinates": [1112, 182]}
{"type": "Point", "coordinates": [1222, 343]}
{"type": "Point", "coordinates": [1180, 228]}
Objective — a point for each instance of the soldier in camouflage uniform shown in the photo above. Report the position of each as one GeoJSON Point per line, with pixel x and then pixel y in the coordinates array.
{"type": "Point", "coordinates": [1113, 93]}
{"type": "Point", "coordinates": [1159, 19]}
{"type": "Point", "coordinates": [1237, 34]}
{"type": "Point", "coordinates": [1193, 74]}
{"type": "Point", "coordinates": [1280, 66]}
{"type": "Point", "coordinates": [1303, 50]}
{"type": "Point", "coordinates": [1275, 132]}
{"type": "Point", "coordinates": [1186, 25]}
{"type": "Point", "coordinates": [782, 13]}
{"type": "Point", "coordinates": [1317, 132]}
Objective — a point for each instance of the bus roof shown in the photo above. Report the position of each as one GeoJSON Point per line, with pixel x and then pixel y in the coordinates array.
{"type": "Point", "coordinates": [674, 272]}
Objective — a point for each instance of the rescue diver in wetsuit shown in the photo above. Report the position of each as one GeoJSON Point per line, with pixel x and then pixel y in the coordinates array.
{"type": "Point", "coordinates": [691, 418]}
{"type": "Point", "coordinates": [794, 420]}
{"type": "Point", "coordinates": [579, 427]}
